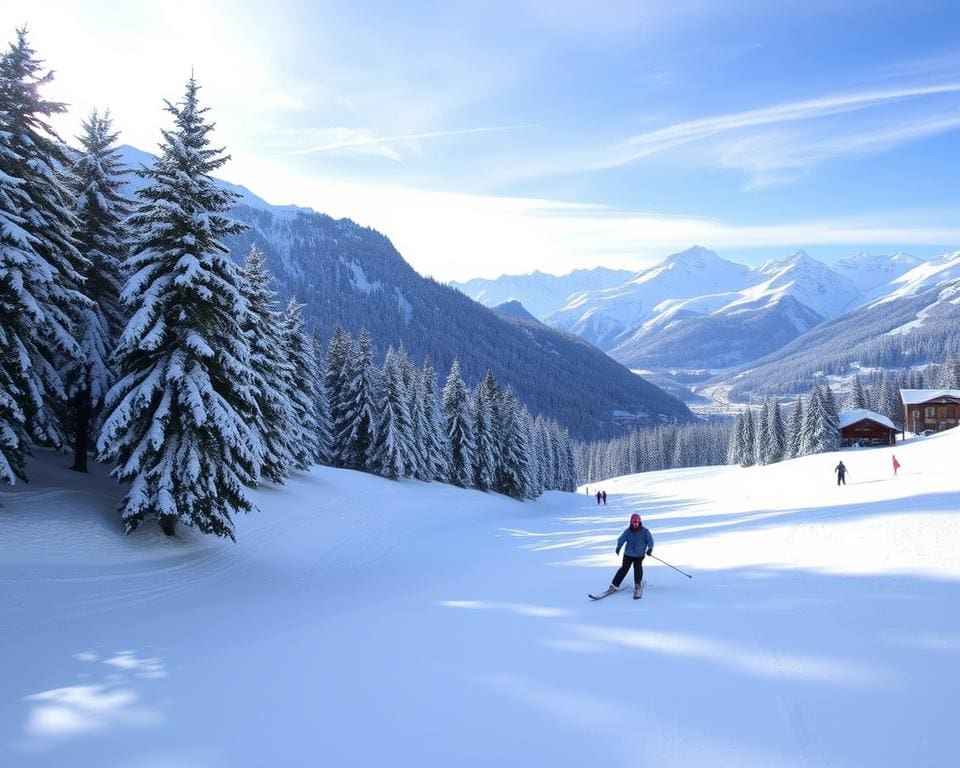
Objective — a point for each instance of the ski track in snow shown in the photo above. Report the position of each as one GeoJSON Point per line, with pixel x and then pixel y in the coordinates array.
{"type": "Point", "coordinates": [359, 620]}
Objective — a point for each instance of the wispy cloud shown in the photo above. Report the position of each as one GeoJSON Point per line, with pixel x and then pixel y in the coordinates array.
{"type": "Point", "coordinates": [773, 159]}
{"type": "Point", "coordinates": [652, 142]}
{"type": "Point", "coordinates": [363, 141]}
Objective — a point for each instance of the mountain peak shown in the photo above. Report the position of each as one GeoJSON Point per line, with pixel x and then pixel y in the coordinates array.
{"type": "Point", "coordinates": [697, 256]}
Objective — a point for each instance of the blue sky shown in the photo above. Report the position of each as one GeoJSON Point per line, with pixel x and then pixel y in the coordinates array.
{"type": "Point", "coordinates": [504, 137]}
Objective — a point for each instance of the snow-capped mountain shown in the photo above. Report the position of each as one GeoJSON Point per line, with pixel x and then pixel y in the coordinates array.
{"type": "Point", "coordinates": [541, 293]}
{"type": "Point", "coordinates": [868, 272]}
{"type": "Point", "coordinates": [697, 309]}
{"type": "Point", "coordinates": [608, 317]}
{"type": "Point", "coordinates": [924, 275]}
{"type": "Point", "coordinates": [915, 320]}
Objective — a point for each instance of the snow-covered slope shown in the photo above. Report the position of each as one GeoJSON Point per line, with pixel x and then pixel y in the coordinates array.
{"type": "Point", "coordinates": [360, 621]}
{"type": "Point", "coordinates": [927, 274]}
{"type": "Point", "coordinates": [539, 292]}
{"type": "Point", "coordinates": [868, 271]}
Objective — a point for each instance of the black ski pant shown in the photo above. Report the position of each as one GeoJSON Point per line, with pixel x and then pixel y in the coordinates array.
{"type": "Point", "coordinates": [841, 478]}
{"type": "Point", "coordinates": [628, 560]}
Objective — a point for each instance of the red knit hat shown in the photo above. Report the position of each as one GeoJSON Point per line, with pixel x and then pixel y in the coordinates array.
{"type": "Point", "coordinates": [635, 518]}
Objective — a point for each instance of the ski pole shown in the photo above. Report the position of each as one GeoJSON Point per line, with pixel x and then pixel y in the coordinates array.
{"type": "Point", "coordinates": [671, 566]}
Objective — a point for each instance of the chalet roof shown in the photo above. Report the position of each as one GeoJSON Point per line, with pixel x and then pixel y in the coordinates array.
{"type": "Point", "coordinates": [917, 396]}
{"type": "Point", "coordinates": [859, 414]}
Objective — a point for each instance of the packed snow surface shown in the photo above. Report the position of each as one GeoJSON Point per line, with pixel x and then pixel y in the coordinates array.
{"type": "Point", "coordinates": [363, 622]}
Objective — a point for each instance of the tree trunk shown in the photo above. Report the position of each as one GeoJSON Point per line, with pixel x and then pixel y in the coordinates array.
{"type": "Point", "coordinates": [168, 523]}
{"type": "Point", "coordinates": [81, 431]}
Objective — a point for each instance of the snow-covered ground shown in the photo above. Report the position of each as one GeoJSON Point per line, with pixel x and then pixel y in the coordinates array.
{"type": "Point", "coordinates": [363, 622]}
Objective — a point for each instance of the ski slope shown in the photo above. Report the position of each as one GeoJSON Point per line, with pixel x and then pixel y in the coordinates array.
{"type": "Point", "coordinates": [364, 622]}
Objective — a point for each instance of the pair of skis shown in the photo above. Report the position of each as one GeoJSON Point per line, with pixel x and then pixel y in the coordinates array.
{"type": "Point", "coordinates": [637, 595]}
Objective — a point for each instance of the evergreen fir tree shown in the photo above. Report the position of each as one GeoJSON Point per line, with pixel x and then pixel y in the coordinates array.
{"type": "Point", "coordinates": [41, 268]}
{"type": "Point", "coordinates": [735, 444]}
{"type": "Point", "coordinates": [321, 403]}
{"type": "Point", "coordinates": [856, 399]}
{"type": "Point", "coordinates": [435, 446]}
{"type": "Point", "coordinates": [888, 400]}
{"type": "Point", "coordinates": [359, 429]}
{"type": "Point", "coordinates": [761, 446]}
{"type": "Point", "coordinates": [949, 374]}
{"type": "Point", "coordinates": [514, 470]}
{"type": "Point", "coordinates": [418, 460]}
{"type": "Point", "coordinates": [830, 404]}
{"type": "Point", "coordinates": [392, 450]}
{"type": "Point", "coordinates": [103, 238]}
{"type": "Point", "coordinates": [748, 457]}
{"type": "Point", "coordinates": [458, 425]}
{"type": "Point", "coordinates": [825, 432]}
{"type": "Point", "coordinates": [274, 425]}
{"type": "Point", "coordinates": [485, 433]}
{"type": "Point", "coordinates": [809, 414]}
{"type": "Point", "coordinates": [336, 379]}
{"type": "Point", "coordinates": [298, 348]}
{"type": "Point", "coordinates": [178, 419]}
{"type": "Point", "coordinates": [776, 440]}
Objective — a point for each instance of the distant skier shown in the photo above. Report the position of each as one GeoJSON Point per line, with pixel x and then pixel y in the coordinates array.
{"type": "Point", "coordinates": [841, 471]}
{"type": "Point", "coordinates": [639, 542]}
{"type": "Point", "coordinates": [598, 498]}
{"type": "Point", "coordinates": [896, 465]}
{"type": "Point", "coordinates": [604, 494]}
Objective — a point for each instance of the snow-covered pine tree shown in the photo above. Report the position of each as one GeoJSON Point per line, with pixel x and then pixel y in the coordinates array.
{"type": "Point", "coordinates": [458, 426]}
{"type": "Point", "coordinates": [830, 403]}
{"type": "Point", "coordinates": [436, 449]}
{"type": "Point", "coordinates": [103, 238]}
{"type": "Point", "coordinates": [735, 444]}
{"type": "Point", "coordinates": [177, 424]}
{"type": "Point", "coordinates": [391, 454]}
{"type": "Point", "coordinates": [358, 431]}
{"type": "Point", "coordinates": [274, 425]}
{"type": "Point", "coordinates": [298, 347]}
{"type": "Point", "coordinates": [336, 379]}
{"type": "Point", "coordinates": [794, 430]}
{"type": "Point", "coordinates": [411, 385]}
{"type": "Point", "coordinates": [776, 433]}
{"type": "Point", "coordinates": [748, 457]}
{"type": "Point", "coordinates": [515, 468]}
{"type": "Point", "coordinates": [321, 403]}
{"type": "Point", "coordinates": [485, 433]}
{"type": "Point", "coordinates": [888, 399]}
{"type": "Point", "coordinates": [949, 374]}
{"type": "Point", "coordinates": [811, 410]}
{"type": "Point", "coordinates": [569, 462]}
{"type": "Point", "coordinates": [856, 399]}
{"type": "Point", "coordinates": [915, 380]}
{"type": "Point", "coordinates": [761, 434]}
{"type": "Point", "coordinates": [40, 266]}
{"type": "Point", "coordinates": [824, 433]}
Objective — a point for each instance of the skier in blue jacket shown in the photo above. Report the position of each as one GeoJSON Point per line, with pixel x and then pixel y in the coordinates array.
{"type": "Point", "coordinates": [639, 542]}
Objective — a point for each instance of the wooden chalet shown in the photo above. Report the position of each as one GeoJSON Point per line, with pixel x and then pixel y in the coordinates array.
{"type": "Point", "coordinates": [863, 427]}
{"type": "Point", "coordinates": [930, 409]}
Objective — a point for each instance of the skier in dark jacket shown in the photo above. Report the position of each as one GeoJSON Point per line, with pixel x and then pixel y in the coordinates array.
{"type": "Point", "coordinates": [841, 471]}
{"type": "Point", "coordinates": [639, 542]}
{"type": "Point", "coordinates": [604, 494]}
{"type": "Point", "coordinates": [598, 498]}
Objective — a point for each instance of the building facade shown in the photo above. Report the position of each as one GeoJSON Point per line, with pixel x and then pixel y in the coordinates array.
{"type": "Point", "coordinates": [930, 410]}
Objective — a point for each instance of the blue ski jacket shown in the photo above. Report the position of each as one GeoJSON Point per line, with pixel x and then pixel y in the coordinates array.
{"type": "Point", "coordinates": [639, 542]}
